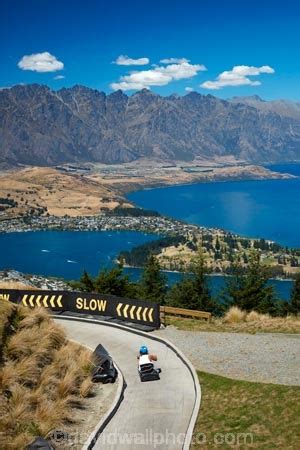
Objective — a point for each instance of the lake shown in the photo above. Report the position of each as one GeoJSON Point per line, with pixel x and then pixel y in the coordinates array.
{"type": "Point", "coordinates": [67, 253]}
{"type": "Point", "coordinates": [252, 208]}
{"type": "Point", "coordinates": [267, 208]}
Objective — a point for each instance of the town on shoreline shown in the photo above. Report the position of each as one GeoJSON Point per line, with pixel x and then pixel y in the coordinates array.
{"type": "Point", "coordinates": [176, 243]}
{"type": "Point", "coordinates": [93, 199]}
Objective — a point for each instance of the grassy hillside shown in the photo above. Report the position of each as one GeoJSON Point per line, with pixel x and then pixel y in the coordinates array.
{"type": "Point", "coordinates": [41, 191]}
{"type": "Point", "coordinates": [43, 377]}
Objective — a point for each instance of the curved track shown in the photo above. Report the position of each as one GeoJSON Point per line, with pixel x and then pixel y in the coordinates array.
{"type": "Point", "coordinates": [155, 414]}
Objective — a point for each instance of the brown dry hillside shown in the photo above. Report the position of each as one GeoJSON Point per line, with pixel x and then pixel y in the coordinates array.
{"type": "Point", "coordinates": [46, 190]}
{"type": "Point", "coordinates": [43, 377]}
{"type": "Point", "coordinates": [43, 189]}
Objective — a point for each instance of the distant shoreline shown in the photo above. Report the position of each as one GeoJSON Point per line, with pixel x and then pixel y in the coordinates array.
{"type": "Point", "coordinates": [212, 274]}
{"type": "Point", "coordinates": [128, 188]}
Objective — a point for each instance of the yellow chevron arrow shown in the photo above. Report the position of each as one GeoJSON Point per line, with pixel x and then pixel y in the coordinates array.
{"type": "Point", "coordinates": [24, 299]}
{"type": "Point", "coordinates": [52, 300]}
{"type": "Point", "coordinates": [59, 301]}
{"type": "Point", "coordinates": [125, 311]}
{"type": "Point", "coordinates": [119, 309]}
{"type": "Point", "coordinates": [145, 314]}
{"type": "Point", "coordinates": [138, 313]}
{"type": "Point", "coordinates": [45, 301]}
{"type": "Point", "coordinates": [38, 300]}
{"type": "Point", "coordinates": [132, 311]}
{"type": "Point", "coordinates": [151, 315]}
{"type": "Point", "coordinates": [31, 301]}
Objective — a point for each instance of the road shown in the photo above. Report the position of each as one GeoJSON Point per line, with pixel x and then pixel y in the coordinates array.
{"type": "Point", "coordinates": [154, 414]}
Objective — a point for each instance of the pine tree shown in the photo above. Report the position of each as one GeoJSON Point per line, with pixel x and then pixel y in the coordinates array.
{"type": "Point", "coordinates": [294, 307]}
{"type": "Point", "coordinates": [192, 292]}
{"type": "Point", "coordinates": [202, 294]}
{"type": "Point", "coordinates": [153, 282]}
{"type": "Point", "coordinates": [182, 294]}
{"type": "Point", "coordinates": [114, 282]}
{"type": "Point", "coordinates": [234, 289]}
{"type": "Point", "coordinates": [250, 290]}
{"type": "Point", "coordinates": [86, 282]}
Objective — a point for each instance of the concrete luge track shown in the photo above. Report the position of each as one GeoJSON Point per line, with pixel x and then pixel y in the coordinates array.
{"type": "Point", "coordinates": [158, 414]}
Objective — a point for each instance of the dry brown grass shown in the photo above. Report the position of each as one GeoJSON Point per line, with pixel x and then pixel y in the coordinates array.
{"type": "Point", "coordinates": [25, 372]}
{"type": "Point", "coordinates": [69, 384]}
{"type": "Point", "coordinates": [61, 193]}
{"type": "Point", "coordinates": [86, 388]}
{"type": "Point", "coordinates": [11, 284]}
{"type": "Point", "coordinates": [7, 311]}
{"type": "Point", "coordinates": [234, 315]}
{"type": "Point", "coordinates": [254, 316]}
{"type": "Point", "coordinates": [42, 377]}
{"type": "Point", "coordinates": [23, 343]}
{"type": "Point", "coordinates": [237, 321]}
{"type": "Point", "coordinates": [32, 317]}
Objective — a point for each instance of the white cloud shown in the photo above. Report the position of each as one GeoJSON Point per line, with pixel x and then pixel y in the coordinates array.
{"type": "Point", "coordinates": [158, 76]}
{"type": "Point", "coordinates": [40, 62]}
{"type": "Point", "coordinates": [59, 77]}
{"type": "Point", "coordinates": [238, 76]}
{"type": "Point", "coordinates": [174, 60]}
{"type": "Point", "coordinates": [124, 60]}
{"type": "Point", "coordinates": [189, 89]}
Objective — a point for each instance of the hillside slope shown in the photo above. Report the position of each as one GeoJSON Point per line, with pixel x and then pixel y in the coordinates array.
{"type": "Point", "coordinates": [45, 380]}
{"type": "Point", "coordinates": [43, 190]}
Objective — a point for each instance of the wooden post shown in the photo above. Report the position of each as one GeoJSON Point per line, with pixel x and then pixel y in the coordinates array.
{"type": "Point", "coordinates": [162, 316]}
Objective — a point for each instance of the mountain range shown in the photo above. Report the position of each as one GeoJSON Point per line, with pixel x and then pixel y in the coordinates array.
{"type": "Point", "coordinates": [40, 126]}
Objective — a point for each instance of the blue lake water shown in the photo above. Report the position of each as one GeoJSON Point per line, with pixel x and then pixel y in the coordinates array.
{"type": "Point", "coordinates": [268, 208]}
{"type": "Point", "coordinates": [66, 254]}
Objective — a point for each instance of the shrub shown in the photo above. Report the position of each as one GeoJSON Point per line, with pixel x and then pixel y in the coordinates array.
{"type": "Point", "coordinates": [42, 376]}
{"type": "Point", "coordinates": [254, 316]}
{"type": "Point", "coordinates": [235, 315]}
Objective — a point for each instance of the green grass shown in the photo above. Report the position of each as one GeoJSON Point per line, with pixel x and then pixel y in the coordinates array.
{"type": "Point", "coordinates": [229, 408]}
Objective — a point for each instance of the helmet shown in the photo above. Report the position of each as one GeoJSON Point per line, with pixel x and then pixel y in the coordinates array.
{"type": "Point", "coordinates": [143, 350]}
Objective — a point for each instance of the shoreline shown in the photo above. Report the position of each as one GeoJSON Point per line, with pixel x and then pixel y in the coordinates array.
{"type": "Point", "coordinates": [212, 274]}
{"type": "Point", "coordinates": [52, 282]}
{"type": "Point", "coordinates": [161, 185]}
{"type": "Point", "coordinates": [156, 235]}
{"type": "Point", "coordinates": [44, 191]}
{"type": "Point", "coordinates": [234, 233]}
{"type": "Point", "coordinates": [148, 186]}
{"type": "Point", "coordinates": [161, 226]}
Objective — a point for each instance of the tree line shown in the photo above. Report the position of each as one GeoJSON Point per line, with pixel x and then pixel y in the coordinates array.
{"type": "Point", "coordinates": [246, 288]}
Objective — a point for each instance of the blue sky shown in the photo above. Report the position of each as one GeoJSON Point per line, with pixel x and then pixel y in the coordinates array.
{"type": "Point", "coordinates": [223, 48]}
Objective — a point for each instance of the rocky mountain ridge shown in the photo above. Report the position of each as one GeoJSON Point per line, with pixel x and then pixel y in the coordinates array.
{"type": "Point", "coordinates": [44, 127]}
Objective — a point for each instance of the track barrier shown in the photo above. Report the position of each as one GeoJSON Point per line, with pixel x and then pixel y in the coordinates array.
{"type": "Point", "coordinates": [125, 309]}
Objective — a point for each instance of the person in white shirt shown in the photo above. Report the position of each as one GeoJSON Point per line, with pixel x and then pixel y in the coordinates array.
{"type": "Point", "coordinates": [144, 358]}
